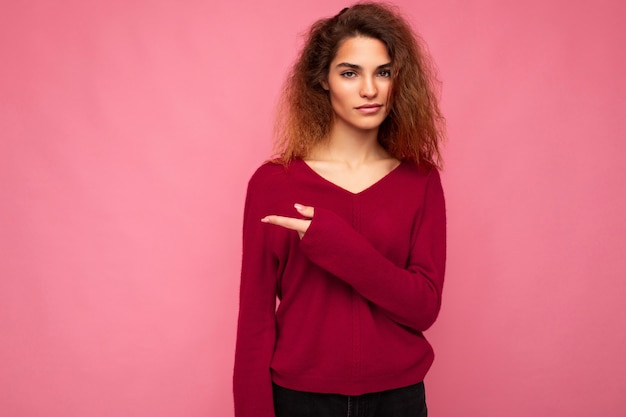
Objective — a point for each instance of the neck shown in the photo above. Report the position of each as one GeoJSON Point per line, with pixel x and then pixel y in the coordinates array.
{"type": "Point", "coordinates": [349, 145]}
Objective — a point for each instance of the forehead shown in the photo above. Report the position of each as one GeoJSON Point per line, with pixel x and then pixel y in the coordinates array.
{"type": "Point", "coordinates": [362, 50]}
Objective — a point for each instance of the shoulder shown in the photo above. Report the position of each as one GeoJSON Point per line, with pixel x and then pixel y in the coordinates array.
{"type": "Point", "coordinates": [419, 183]}
{"type": "Point", "coordinates": [268, 172]}
{"type": "Point", "coordinates": [271, 176]}
{"type": "Point", "coordinates": [270, 189]}
{"type": "Point", "coordinates": [422, 173]}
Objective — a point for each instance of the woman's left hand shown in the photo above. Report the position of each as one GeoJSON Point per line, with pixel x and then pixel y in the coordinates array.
{"type": "Point", "coordinates": [292, 223]}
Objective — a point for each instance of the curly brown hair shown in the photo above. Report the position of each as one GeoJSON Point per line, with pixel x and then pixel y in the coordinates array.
{"type": "Point", "coordinates": [414, 128]}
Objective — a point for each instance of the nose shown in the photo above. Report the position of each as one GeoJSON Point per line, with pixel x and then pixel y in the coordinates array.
{"type": "Point", "coordinates": [368, 87]}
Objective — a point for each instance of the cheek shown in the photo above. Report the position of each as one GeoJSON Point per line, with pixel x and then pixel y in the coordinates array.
{"type": "Point", "coordinates": [340, 95]}
{"type": "Point", "coordinates": [386, 90]}
{"type": "Point", "coordinates": [386, 96]}
{"type": "Point", "coordinates": [337, 104]}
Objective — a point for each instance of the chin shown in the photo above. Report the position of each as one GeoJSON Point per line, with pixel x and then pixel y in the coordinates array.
{"type": "Point", "coordinates": [373, 125]}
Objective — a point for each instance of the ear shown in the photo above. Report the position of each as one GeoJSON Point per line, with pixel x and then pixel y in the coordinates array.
{"type": "Point", "coordinates": [324, 84]}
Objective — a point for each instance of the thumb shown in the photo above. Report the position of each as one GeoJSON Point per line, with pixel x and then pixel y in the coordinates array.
{"type": "Point", "coordinates": [306, 211]}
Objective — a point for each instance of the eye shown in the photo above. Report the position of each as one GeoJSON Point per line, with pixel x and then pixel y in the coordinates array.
{"type": "Point", "coordinates": [385, 73]}
{"type": "Point", "coordinates": [348, 74]}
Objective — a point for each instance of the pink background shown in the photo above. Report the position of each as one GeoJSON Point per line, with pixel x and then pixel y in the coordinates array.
{"type": "Point", "coordinates": [129, 130]}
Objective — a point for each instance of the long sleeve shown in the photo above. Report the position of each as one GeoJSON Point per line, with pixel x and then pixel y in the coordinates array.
{"type": "Point", "coordinates": [256, 331]}
{"type": "Point", "coordinates": [355, 292]}
{"type": "Point", "coordinates": [410, 294]}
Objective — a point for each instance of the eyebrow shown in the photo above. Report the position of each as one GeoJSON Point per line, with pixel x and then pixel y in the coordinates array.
{"type": "Point", "coordinates": [358, 67]}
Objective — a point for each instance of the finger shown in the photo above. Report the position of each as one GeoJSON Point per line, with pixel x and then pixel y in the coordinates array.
{"type": "Point", "coordinates": [300, 225]}
{"type": "Point", "coordinates": [306, 211]}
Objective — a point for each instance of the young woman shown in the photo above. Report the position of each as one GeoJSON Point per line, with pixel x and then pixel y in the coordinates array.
{"type": "Point", "coordinates": [347, 229]}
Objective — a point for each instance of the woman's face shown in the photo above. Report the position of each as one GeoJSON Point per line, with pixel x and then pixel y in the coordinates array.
{"type": "Point", "coordinates": [359, 83]}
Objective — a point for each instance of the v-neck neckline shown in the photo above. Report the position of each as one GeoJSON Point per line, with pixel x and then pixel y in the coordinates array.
{"type": "Point", "coordinates": [382, 179]}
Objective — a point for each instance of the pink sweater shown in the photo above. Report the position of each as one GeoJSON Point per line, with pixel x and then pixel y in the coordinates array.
{"type": "Point", "coordinates": [355, 293]}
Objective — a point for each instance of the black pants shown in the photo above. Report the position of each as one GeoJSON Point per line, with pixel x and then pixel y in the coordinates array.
{"type": "Point", "coordinates": [402, 402]}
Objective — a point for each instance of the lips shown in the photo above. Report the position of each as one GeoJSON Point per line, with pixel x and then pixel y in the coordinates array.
{"type": "Point", "coordinates": [369, 108]}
